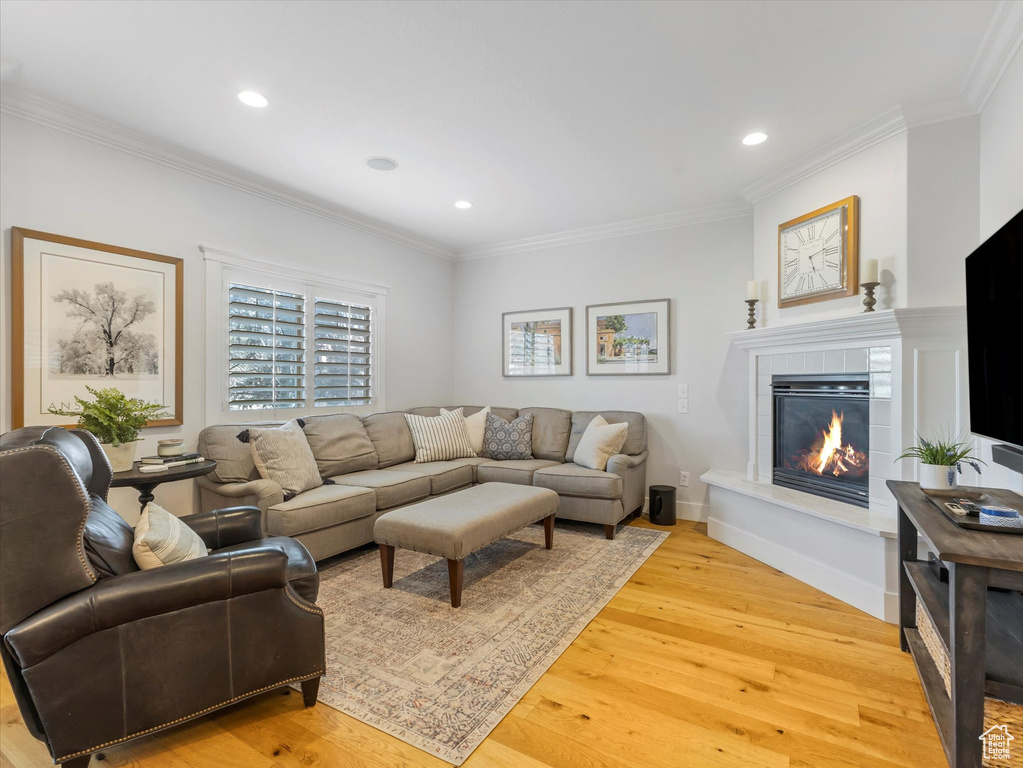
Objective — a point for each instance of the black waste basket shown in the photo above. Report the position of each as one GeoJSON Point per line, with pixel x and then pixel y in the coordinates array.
{"type": "Point", "coordinates": [662, 504]}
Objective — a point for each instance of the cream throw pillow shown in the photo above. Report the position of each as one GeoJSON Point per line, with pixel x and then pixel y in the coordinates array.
{"type": "Point", "coordinates": [440, 438]}
{"type": "Point", "coordinates": [474, 427]}
{"type": "Point", "coordinates": [282, 454]}
{"type": "Point", "coordinates": [162, 539]}
{"type": "Point", "coordinates": [600, 442]}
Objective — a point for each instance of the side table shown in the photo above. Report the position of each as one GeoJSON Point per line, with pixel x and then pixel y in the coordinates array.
{"type": "Point", "coordinates": [145, 482]}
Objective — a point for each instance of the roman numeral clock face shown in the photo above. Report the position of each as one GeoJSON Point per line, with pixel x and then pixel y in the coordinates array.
{"type": "Point", "coordinates": [813, 255]}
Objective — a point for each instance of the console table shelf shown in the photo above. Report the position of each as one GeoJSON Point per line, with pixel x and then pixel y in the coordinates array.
{"type": "Point", "coordinates": [981, 630]}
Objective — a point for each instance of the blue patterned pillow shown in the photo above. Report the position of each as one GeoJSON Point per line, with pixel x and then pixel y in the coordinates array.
{"type": "Point", "coordinates": [503, 441]}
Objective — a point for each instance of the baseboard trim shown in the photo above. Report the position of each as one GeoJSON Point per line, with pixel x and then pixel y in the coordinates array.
{"type": "Point", "coordinates": [684, 510]}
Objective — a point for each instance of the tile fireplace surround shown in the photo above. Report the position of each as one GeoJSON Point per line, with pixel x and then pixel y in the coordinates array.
{"type": "Point", "coordinates": [916, 361]}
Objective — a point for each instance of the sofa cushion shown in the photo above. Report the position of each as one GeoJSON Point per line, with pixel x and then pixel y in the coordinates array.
{"type": "Point", "coordinates": [391, 438]}
{"type": "Point", "coordinates": [472, 463]}
{"type": "Point", "coordinates": [635, 441]}
{"type": "Point", "coordinates": [340, 444]}
{"type": "Point", "coordinates": [392, 488]}
{"type": "Point", "coordinates": [233, 457]}
{"type": "Point", "coordinates": [504, 441]}
{"type": "Point", "coordinates": [519, 472]}
{"type": "Point", "coordinates": [573, 480]}
{"type": "Point", "coordinates": [439, 438]}
{"type": "Point", "coordinates": [600, 442]}
{"type": "Point", "coordinates": [551, 428]}
{"type": "Point", "coordinates": [320, 508]}
{"type": "Point", "coordinates": [282, 454]}
{"type": "Point", "coordinates": [444, 475]}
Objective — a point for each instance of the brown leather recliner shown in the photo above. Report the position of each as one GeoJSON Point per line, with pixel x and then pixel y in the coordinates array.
{"type": "Point", "coordinates": [99, 652]}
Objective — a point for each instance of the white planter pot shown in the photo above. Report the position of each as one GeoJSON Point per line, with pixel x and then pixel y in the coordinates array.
{"type": "Point", "coordinates": [934, 477]}
{"type": "Point", "coordinates": [121, 456]}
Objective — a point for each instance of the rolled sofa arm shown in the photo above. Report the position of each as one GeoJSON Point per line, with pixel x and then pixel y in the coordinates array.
{"type": "Point", "coordinates": [140, 595]}
{"type": "Point", "coordinates": [219, 528]}
{"type": "Point", "coordinates": [620, 462]}
{"type": "Point", "coordinates": [264, 493]}
{"type": "Point", "coordinates": [632, 470]}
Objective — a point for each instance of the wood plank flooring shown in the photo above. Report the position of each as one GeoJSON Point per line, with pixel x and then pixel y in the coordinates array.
{"type": "Point", "coordinates": [705, 659]}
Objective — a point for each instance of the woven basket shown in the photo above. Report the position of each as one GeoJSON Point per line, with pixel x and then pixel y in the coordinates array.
{"type": "Point", "coordinates": [996, 711]}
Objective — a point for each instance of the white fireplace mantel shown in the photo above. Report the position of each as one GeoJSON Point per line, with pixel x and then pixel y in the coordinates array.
{"type": "Point", "coordinates": [916, 363]}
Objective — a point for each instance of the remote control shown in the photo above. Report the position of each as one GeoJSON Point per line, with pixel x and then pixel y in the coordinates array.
{"type": "Point", "coordinates": [955, 509]}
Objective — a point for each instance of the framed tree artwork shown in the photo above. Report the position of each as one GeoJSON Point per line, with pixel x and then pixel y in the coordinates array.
{"type": "Point", "coordinates": [89, 314]}
{"type": "Point", "coordinates": [628, 339]}
{"type": "Point", "coordinates": [537, 342]}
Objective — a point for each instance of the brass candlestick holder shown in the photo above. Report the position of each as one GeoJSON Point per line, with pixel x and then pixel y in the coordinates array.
{"type": "Point", "coordinates": [751, 321]}
{"type": "Point", "coordinates": [869, 301]}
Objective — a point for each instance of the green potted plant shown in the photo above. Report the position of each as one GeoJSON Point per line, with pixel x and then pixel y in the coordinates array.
{"type": "Point", "coordinates": [115, 420]}
{"type": "Point", "coordinates": [940, 460]}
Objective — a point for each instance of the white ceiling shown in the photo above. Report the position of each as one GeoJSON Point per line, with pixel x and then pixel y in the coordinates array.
{"type": "Point", "coordinates": [548, 116]}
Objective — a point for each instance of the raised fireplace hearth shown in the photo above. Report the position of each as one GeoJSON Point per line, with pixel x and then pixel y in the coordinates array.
{"type": "Point", "coordinates": [822, 435]}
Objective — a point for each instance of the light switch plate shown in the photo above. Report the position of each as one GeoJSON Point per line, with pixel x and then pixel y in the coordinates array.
{"type": "Point", "coordinates": [683, 391]}
{"type": "Point", "coordinates": [683, 405]}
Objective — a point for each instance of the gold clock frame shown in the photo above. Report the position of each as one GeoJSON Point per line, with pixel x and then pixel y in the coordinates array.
{"type": "Point", "coordinates": [851, 257]}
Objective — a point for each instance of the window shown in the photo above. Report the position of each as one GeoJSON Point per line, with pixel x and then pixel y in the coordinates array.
{"type": "Point", "coordinates": [289, 345]}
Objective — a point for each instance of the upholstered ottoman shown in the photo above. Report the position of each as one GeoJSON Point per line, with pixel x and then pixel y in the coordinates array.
{"type": "Point", "coordinates": [458, 524]}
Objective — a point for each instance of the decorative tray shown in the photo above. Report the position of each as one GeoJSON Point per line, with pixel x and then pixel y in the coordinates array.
{"type": "Point", "coordinates": [971, 522]}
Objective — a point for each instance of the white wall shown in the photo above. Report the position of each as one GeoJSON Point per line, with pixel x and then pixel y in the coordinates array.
{"type": "Point", "coordinates": [1001, 194]}
{"type": "Point", "coordinates": [58, 183]}
{"type": "Point", "coordinates": [878, 176]}
{"type": "Point", "coordinates": [702, 268]}
{"type": "Point", "coordinates": [943, 210]}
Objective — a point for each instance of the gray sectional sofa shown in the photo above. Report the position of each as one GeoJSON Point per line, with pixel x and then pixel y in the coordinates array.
{"type": "Point", "coordinates": [371, 463]}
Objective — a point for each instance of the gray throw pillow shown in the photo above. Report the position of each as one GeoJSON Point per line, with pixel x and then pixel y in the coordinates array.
{"type": "Point", "coordinates": [505, 441]}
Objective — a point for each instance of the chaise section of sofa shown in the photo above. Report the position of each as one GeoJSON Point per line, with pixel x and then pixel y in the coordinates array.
{"type": "Point", "coordinates": [369, 467]}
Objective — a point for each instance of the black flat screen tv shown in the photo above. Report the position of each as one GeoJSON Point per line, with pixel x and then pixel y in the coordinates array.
{"type": "Point", "coordinates": [994, 318]}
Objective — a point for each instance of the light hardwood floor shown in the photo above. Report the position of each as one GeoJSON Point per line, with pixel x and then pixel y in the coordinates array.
{"type": "Point", "coordinates": [705, 658]}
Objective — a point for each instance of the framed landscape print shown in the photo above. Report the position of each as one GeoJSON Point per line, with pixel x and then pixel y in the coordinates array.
{"type": "Point", "coordinates": [537, 342]}
{"type": "Point", "coordinates": [89, 314]}
{"type": "Point", "coordinates": [628, 339]}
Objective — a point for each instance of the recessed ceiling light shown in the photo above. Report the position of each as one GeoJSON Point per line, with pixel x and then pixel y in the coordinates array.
{"type": "Point", "coordinates": [253, 99]}
{"type": "Point", "coordinates": [463, 204]}
{"type": "Point", "coordinates": [755, 138]}
{"type": "Point", "coordinates": [381, 164]}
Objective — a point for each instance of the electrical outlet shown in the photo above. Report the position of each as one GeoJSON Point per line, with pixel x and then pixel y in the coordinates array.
{"type": "Point", "coordinates": [683, 479]}
{"type": "Point", "coordinates": [683, 406]}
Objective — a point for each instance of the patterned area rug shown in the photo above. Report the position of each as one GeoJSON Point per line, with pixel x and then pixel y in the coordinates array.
{"type": "Point", "coordinates": [441, 678]}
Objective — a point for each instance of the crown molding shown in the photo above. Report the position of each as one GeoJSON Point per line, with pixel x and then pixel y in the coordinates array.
{"type": "Point", "coordinates": [1001, 41]}
{"type": "Point", "coordinates": [886, 125]}
{"type": "Point", "coordinates": [606, 231]}
{"type": "Point", "coordinates": [52, 115]}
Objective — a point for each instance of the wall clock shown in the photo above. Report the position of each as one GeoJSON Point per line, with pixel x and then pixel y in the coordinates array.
{"type": "Point", "coordinates": [818, 255]}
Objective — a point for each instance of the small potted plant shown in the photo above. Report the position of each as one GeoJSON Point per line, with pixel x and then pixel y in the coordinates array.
{"type": "Point", "coordinates": [940, 460]}
{"type": "Point", "coordinates": [115, 420]}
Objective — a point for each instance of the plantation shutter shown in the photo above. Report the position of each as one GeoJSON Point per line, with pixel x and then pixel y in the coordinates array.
{"type": "Point", "coordinates": [343, 366]}
{"type": "Point", "coordinates": [266, 348]}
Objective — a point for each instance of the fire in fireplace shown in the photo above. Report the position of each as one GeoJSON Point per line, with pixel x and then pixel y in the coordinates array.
{"type": "Point", "coordinates": [822, 435]}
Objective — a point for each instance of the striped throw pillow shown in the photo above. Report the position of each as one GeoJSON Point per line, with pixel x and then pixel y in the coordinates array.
{"type": "Point", "coordinates": [162, 539]}
{"type": "Point", "coordinates": [474, 426]}
{"type": "Point", "coordinates": [439, 438]}
{"type": "Point", "coordinates": [282, 454]}
{"type": "Point", "coordinates": [600, 442]}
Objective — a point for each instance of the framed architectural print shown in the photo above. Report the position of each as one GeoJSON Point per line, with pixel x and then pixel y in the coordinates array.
{"type": "Point", "coordinates": [537, 342]}
{"type": "Point", "coordinates": [818, 255]}
{"type": "Point", "coordinates": [89, 314]}
{"type": "Point", "coordinates": [628, 339]}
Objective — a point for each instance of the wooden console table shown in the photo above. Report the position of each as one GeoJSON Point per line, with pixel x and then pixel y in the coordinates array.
{"type": "Point", "coordinates": [982, 632]}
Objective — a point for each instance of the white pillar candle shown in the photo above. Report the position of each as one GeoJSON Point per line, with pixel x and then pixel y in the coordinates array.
{"type": "Point", "coordinates": [869, 274]}
{"type": "Point", "coordinates": [752, 290]}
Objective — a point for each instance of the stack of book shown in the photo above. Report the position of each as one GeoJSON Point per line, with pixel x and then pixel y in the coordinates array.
{"type": "Point", "coordinates": [172, 461]}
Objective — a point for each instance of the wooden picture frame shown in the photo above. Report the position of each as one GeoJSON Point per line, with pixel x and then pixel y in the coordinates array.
{"type": "Point", "coordinates": [525, 334]}
{"type": "Point", "coordinates": [57, 349]}
{"type": "Point", "coordinates": [605, 356]}
{"type": "Point", "coordinates": [850, 266]}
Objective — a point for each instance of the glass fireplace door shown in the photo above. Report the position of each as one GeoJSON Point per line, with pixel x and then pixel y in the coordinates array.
{"type": "Point", "coordinates": [822, 435]}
